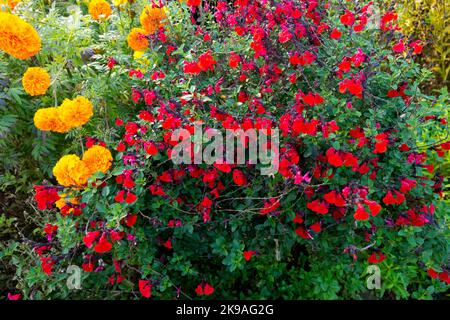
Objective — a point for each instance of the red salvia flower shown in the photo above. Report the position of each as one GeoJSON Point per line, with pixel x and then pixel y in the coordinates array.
{"type": "Point", "coordinates": [145, 288]}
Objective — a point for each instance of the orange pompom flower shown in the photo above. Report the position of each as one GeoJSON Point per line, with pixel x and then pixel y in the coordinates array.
{"type": "Point", "coordinates": [47, 119]}
{"type": "Point", "coordinates": [97, 158]}
{"type": "Point", "coordinates": [75, 112]}
{"type": "Point", "coordinates": [99, 9]}
{"type": "Point", "coordinates": [137, 40]}
{"type": "Point", "coordinates": [71, 171]}
{"type": "Point", "coordinates": [36, 81]}
{"type": "Point", "coordinates": [152, 18]}
{"type": "Point", "coordinates": [17, 37]}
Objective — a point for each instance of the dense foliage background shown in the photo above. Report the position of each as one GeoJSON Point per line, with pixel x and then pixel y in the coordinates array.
{"type": "Point", "coordinates": [227, 232]}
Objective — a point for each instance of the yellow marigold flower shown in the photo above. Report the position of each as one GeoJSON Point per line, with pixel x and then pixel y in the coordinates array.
{"type": "Point", "coordinates": [75, 112]}
{"type": "Point", "coordinates": [119, 2]}
{"type": "Point", "coordinates": [97, 158]}
{"type": "Point", "coordinates": [99, 9]}
{"type": "Point", "coordinates": [141, 59]}
{"type": "Point", "coordinates": [47, 119]}
{"type": "Point", "coordinates": [36, 81]}
{"type": "Point", "coordinates": [137, 39]}
{"type": "Point", "coordinates": [151, 18]}
{"type": "Point", "coordinates": [70, 171]}
{"type": "Point", "coordinates": [17, 37]}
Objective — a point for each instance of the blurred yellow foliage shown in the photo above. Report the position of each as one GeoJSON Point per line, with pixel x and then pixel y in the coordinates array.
{"type": "Point", "coordinates": [429, 20]}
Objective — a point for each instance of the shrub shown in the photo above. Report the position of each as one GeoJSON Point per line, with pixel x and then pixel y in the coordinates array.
{"type": "Point", "coordinates": [355, 185]}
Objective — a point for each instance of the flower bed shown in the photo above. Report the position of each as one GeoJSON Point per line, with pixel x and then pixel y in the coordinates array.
{"type": "Point", "coordinates": [355, 183]}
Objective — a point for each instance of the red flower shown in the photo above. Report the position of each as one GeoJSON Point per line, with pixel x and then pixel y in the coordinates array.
{"type": "Point", "coordinates": [316, 227]}
{"type": "Point", "coordinates": [168, 244]}
{"type": "Point", "coordinates": [121, 147]}
{"type": "Point", "coordinates": [403, 147]}
{"type": "Point", "coordinates": [151, 148]}
{"type": "Point", "coordinates": [224, 167]}
{"type": "Point", "coordinates": [433, 274]}
{"type": "Point", "coordinates": [207, 289]}
{"type": "Point", "coordinates": [90, 237]}
{"type": "Point", "coordinates": [119, 196]}
{"type": "Point", "coordinates": [206, 62]}
{"type": "Point", "coordinates": [165, 177]}
{"type": "Point", "coordinates": [302, 232]}
{"type": "Point", "coordinates": [14, 296]}
{"type": "Point", "coordinates": [399, 47]}
{"type": "Point", "coordinates": [373, 207]}
{"type": "Point", "coordinates": [443, 276]}
{"type": "Point", "coordinates": [373, 259]}
{"type": "Point", "coordinates": [248, 255]}
{"type": "Point", "coordinates": [407, 185]}
{"type": "Point", "coordinates": [118, 122]}
{"type": "Point", "coordinates": [128, 182]}
{"type": "Point", "coordinates": [348, 18]}
{"type": "Point", "coordinates": [333, 158]}
{"type": "Point", "coordinates": [335, 34]}
{"type": "Point", "coordinates": [130, 220]}
{"type": "Point", "coordinates": [131, 197]}
{"type": "Point", "coordinates": [45, 197]}
{"type": "Point", "coordinates": [390, 199]}
{"type": "Point", "coordinates": [284, 36]}
{"type": "Point", "coordinates": [317, 206]}
{"type": "Point", "coordinates": [270, 206]}
{"type": "Point", "coordinates": [312, 99]}
{"type": "Point", "coordinates": [417, 46]}
{"type": "Point", "coordinates": [47, 265]}
{"type": "Point", "coordinates": [49, 228]}
{"type": "Point", "coordinates": [145, 288]}
{"type": "Point", "coordinates": [239, 177]}
{"type": "Point", "coordinates": [361, 213]}
{"type": "Point", "coordinates": [206, 203]}
{"type": "Point", "coordinates": [103, 245]}
{"type": "Point", "coordinates": [193, 3]}
{"type": "Point", "coordinates": [191, 68]}
{"type": "Point", "coordinates": [135, 95]}
{"type": "Point", "coordinates": [298, 219]}
{"type": "Point", "coordinates": [234, 60]}
{"type": "Point", "coordinates": [88, 266]}
{"type": "Point", "coordinates": [353, 86]}
{"type": "Point", "coordinates": [345, 65]}
{"type": "Point", "coordinates": [305, 59]}
{"type": "Point", "coordinates": [380, 147]}
{"type": "Point", "coordinates": [242, 96]}
{"type": "Point", "coordinates": [333, 197]}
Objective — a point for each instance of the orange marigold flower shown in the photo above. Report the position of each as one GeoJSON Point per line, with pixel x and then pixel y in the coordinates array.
{"type": "Point", "coordinates": [97, 158]}
{"type": "Point", "coordinates": [152, 18]}
{"type": "Point", "coordinates": [47, 119]}
{"type": "Point", "coordinates": [10, 3]}
{"type": "Point", "coordinates": [17, 37]}
{"type": "Point", "coordinates": [99, 9]}
{"type": "Point", "coordinates": [71, 171]}
{"type": "Point", "coordinates": [75, 112]}
{"type": "Point", "coordinates": [137, 40]}
{"type": "Point", "coordinates": [36, 81]}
